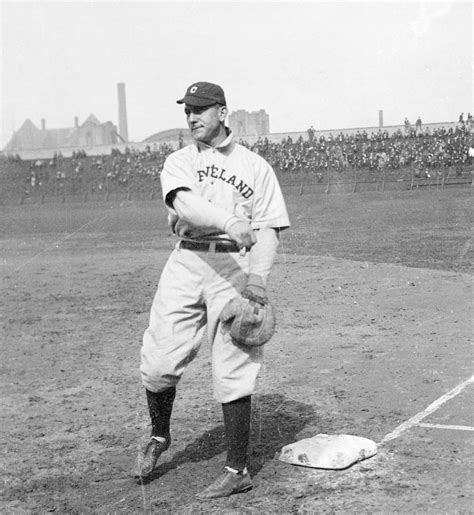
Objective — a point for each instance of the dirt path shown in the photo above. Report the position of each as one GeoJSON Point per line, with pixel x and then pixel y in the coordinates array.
{"type": "Point", "coordinates": [359, 348]}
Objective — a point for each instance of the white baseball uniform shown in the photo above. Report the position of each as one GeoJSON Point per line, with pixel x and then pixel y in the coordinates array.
{"type": "Point", "coordinates": [196, 284]}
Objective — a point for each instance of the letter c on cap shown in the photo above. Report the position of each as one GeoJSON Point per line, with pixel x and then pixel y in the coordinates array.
{"type": "Point", "coordinates": [193, 89]}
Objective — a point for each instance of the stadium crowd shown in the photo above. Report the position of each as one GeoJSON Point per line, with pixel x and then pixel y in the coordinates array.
{"type": "Point", "coordinates": [81, 173]}
{"type": "Point", "coordinates": [379, 151]}
{"type": "Point", "coordinates": [415, 151]}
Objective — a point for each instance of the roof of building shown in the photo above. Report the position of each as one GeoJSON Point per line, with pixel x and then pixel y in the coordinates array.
{"type": "Point", "coordinates": [92, 119]}
{"type": "Point", "coordinates": [29, 136]}
{"type": "Point", "coordinates": [168, 135]}
{"type": "Point", "coordinates": [28, 125]}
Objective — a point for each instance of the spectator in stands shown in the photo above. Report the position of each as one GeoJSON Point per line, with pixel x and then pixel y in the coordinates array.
{"type": "Point", "coordinates": [418, 127]}
{"type": "Point", "coordinates": [407, 125]}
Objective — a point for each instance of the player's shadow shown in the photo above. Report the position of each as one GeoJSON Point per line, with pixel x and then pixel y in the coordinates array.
{"type": "Point", "coordinates": [276, 421]}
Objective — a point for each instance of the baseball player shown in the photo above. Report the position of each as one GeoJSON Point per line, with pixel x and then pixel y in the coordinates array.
{"type": "Point", "coordinates": [226, 208]}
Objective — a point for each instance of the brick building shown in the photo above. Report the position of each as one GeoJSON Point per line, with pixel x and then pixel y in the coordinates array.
{"type": "Point", "coordinates": [90, 133]}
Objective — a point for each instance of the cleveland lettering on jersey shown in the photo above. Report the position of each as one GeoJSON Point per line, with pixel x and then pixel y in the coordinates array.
{"type": "Point", "coordinates": [213, 171]}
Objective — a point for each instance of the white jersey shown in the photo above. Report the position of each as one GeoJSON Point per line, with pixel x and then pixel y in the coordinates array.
{"type": "Point", "coordinates": [230, 177]}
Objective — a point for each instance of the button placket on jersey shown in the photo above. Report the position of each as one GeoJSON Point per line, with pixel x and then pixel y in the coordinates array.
{"type": "Point", "coordinates": [218, 161]}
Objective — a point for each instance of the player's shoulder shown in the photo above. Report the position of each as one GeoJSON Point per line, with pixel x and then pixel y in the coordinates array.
{"type": "Point", "coordinates": [251, 155]}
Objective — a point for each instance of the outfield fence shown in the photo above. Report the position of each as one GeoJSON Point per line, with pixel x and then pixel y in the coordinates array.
{"type": "Point", "coordinates": [300, 183]}
{"type": "Point", "coordinates": [369, 181]}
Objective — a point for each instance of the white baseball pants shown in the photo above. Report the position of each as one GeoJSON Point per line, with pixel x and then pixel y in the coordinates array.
{"type": "Point", "coordinates": [193, 289]}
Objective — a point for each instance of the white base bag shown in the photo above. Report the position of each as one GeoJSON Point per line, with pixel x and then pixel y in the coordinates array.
{"type": "Point", "coordinates": [328, 451]}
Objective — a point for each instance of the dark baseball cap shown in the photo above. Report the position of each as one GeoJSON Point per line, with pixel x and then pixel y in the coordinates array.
{"type": "Point", "coordinates": [203, 94]}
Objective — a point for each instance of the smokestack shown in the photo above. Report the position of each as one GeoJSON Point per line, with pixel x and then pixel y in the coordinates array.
{"type": "Point", "coordinates": [122, 112]}
{"type": "Point", "coordinates": [43, 124]}
{"type": "Point", "coordinates": [380, 118]}
{"type": "Point", "coordinates": [76, 122]}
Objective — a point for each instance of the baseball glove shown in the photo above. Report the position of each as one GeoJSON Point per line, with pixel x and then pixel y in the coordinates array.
{"type": "Point", "coordinates": [249, 318]}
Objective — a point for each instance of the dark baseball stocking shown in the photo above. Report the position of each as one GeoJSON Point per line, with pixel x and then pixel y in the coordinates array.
{"type": "Point", "coordinates": [237, 429]}
{"type": "Point", "coordinates": [160, 405]}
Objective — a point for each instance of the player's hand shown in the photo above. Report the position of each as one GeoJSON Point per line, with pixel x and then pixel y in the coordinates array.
{"type": "Point", "coordinates": [242, 233]}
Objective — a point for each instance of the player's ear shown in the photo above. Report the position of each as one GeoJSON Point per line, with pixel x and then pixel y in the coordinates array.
{"type": "Point", "coordinates": [222, 113]}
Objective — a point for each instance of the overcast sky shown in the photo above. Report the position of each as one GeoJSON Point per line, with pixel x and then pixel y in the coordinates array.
{"type": "Point", "coordinates": [327, 64]}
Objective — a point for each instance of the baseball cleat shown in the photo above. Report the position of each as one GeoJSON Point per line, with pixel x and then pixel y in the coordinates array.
{"type": "Point", "coordinates": [149, 455]}
{"type": "Point", "coordinates": [228, 483]}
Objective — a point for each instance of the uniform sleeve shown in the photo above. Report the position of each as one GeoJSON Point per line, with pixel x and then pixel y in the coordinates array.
{"type": "Point", "coordinates": [269, 209]}
{"type": "Point", "coordinates": [177, 173]}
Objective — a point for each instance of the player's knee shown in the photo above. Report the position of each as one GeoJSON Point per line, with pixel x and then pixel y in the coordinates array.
{"type": "Point", "coordinates": [156, 363]}
{"type": "Point", "coordinates": [158, 376]}
{"type": "Point", "coordinates": [228, 389]}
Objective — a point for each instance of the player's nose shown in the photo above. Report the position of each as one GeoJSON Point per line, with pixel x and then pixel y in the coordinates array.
{"type": "Point", "coordinates": [192, 117]}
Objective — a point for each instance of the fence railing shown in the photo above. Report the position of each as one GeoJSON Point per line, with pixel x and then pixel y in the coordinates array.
{"type": "Point", "coordinates": [330, 182]}
{"type": "Point", "coordinates": [365, 181]}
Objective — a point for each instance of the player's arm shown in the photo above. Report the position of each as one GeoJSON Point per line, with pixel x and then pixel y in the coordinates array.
{"type": "Point", "coordinates": [262, 257]}
{"type": "Point", "coordinates": [200, 212]}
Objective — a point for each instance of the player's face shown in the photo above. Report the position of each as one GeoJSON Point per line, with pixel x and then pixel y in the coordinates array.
{"type": "Point", "coordinates": [206, 123]}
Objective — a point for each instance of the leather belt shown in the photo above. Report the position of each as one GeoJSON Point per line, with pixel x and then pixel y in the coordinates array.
{"type": "Point", "coordinates": [209, 246]}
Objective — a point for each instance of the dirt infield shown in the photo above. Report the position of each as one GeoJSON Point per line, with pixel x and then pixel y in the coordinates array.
{"type": "Point", "coordinates": [374, 301]}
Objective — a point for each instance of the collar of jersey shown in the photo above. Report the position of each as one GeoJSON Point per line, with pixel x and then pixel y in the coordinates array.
{"type": "Point", "coordinates": [222, 145]}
